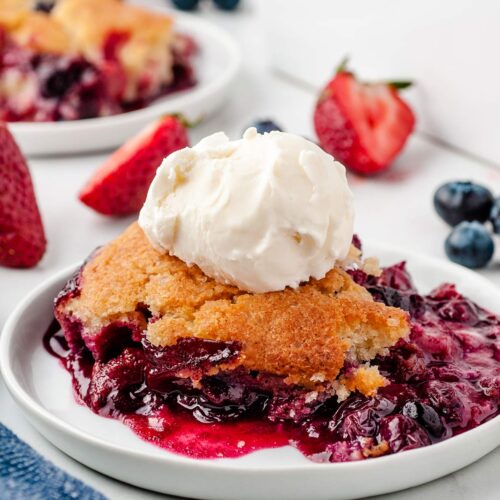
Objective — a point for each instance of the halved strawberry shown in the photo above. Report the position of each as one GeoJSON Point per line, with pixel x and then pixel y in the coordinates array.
{"type": "Point", "coordinates": [363, 125]}
{"type": "Point", "coordinates": [22, 238]}
{"type": "Point", "coordinates": [120, 185]}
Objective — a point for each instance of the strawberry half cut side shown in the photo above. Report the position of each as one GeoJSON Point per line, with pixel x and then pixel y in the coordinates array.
{"type": "Point", "coordinates": [363, 125]}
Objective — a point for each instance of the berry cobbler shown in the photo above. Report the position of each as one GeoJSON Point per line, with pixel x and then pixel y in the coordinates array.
{"type": "Point", "coordinates": [195, 333]}
{"type": "Point", "coordinates": [87, 58]}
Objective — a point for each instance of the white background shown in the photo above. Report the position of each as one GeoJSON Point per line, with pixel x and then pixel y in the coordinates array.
{"type": "Point", "coordinates": [395, 207]}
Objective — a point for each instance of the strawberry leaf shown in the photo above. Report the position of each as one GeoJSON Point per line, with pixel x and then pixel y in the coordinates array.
{"type": "Point", "coordinates": [400, 84]}
{"type": "Point", "coordinates": [342, 67]}
{"type": "Point", "coordinates": [185, 122]}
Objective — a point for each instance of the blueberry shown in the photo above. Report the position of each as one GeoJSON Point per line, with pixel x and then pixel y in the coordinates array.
{"type": "Point", "coordinates": [357, 242]}
{"type": "Point", "coordinates": [495, 216]}
{"type": "Point", "coordinates": [402, 433]}
{"type": "Point", "coordinates": [425, 415]}
{"type": "Point", "coordinates": [264, 126]}
{"type": "Point", "coordinates": [44, 6]}
{"type": "Point", "coordinates": [186, 4]}
{"type": "Point", "coordinates": [470, 245]}
{"type": "Point", "coordinates": [227, 4]}
{"type": "Point", "coordinates": [462, 200]}
{"type": "Point", "coordinates": [59, 75]}
{"type": "Point", "coordinates": [448, 399]}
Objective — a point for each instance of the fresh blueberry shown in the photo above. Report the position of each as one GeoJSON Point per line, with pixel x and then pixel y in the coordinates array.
{"type": "Point", "coordinates": [44, 6]}
{"type": "Point", "coordinates": [463, 201]}
{"type": "Point", "coordinates": [495, 216]}
{"type": "Point", "coordinates": [227, 4]}
{"type": "Point", "coordinates": [186, 4]}
{"type": "Point", "coordinates": [470, 245]}
{"type": "Point", "coordinates": [264, 126]}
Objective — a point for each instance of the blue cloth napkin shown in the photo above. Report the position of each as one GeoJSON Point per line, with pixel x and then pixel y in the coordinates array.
{"type": "Point", "coordinates": [26, 475]}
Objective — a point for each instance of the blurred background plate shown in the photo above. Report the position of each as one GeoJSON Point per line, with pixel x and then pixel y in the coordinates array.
{"type": "Point", "coordinates": [216, 68]}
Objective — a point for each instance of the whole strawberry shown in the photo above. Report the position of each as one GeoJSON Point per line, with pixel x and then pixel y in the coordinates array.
{"type": "Point", "coordinates": [22, 238]}
{"type": "Point", "coordinates": [363, 125]}
{"type": "Point", "coordinates": [120, 185]}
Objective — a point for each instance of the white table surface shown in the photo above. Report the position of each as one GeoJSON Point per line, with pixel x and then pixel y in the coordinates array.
{"type": "Point", "coordinates": [395, 208]}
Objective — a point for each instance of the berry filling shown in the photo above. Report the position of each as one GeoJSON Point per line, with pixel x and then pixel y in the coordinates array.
{"type": "Point", "coordinates": [444, 380]}
{"type": "Point", "coordinates": [51, 87]}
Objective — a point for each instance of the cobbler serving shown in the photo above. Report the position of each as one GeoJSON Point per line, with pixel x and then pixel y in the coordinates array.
{"type": "Point", "coordinates": [86, 59]}
{"type": "Point", "coordinates": [196, 334]}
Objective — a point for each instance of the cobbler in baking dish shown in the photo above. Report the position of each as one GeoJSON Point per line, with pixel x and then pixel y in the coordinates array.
{"type": "Point", "coordinates": [352, 366]}
{"type": "Point", "coordinates": [87, 58]}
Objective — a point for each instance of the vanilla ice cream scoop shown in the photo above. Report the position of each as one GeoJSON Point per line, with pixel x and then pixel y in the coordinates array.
{"type": "Point", "coordinates": [262, 213]}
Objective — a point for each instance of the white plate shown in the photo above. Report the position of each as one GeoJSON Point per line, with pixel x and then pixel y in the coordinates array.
{"type": "Point", "coordinates": [216, 68]}
{"type": "Point", "coordinates": [43, 390]}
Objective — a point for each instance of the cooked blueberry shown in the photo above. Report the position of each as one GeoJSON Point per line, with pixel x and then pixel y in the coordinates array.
{"type": "Point", "coordinates": [357, 242]}
{"type": "Point", "coordinates": [186, 4]}
{"type": "Point", "coordinates": [495, 216]}
{"type": "Point", "coordinates": [227, 4]}
{"type": "Point", "coordinates": [463, 201]}
{"type": "Point", "coordinates": [57, 84]}
{"type": "Point", "coordinates": [411, 302]}
{"type": "Point", "coordinates": [359, 417]}
{"type": "Point", "coordinates": [448, 399]}
{"type": "Point", "coordinates": [397, 277]}
{"type": "Point", "coordinates": [470, 245]}
{"type": "Point", "coordinates": [264, 126]}
{"type": "Point", "coordinates": [57, 76]}
{"type": "Point", "coordinates": [425, 415]}
{"type": "Point", "coordinates": [402, 433]}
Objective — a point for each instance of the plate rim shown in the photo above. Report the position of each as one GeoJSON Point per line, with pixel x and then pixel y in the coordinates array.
{"type": "Point", "coordinates": [37, 411]}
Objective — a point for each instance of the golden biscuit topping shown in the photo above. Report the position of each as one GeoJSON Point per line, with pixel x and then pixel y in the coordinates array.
{"type": "Point", "coordinates": [305, 335]}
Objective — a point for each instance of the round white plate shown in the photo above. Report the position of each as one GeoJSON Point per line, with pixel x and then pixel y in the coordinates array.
{"type": "Point", "coordinates": [216, 68]}
{"type": "Point", "coordinates": [43, 390]}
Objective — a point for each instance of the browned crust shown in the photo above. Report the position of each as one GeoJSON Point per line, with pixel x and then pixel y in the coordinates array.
{"type": "Point", "coordinates": [304, 334]}
{"type": "Point", "coordinates": [366, 379]}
